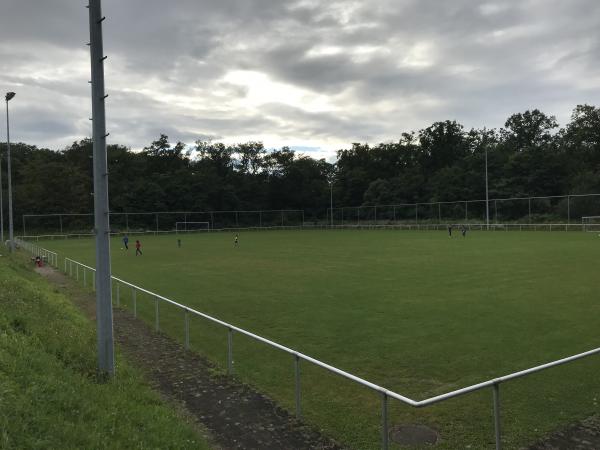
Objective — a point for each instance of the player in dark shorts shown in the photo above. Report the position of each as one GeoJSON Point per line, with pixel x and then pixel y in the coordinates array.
{"type": "Point", "coordinates": [450, 230]}
{"type": "Point", "coordinates": [126, 242]}
{"type": "Point", "coordinates": [463, 230]}
{"type": "Point", "coordinates": [138, 247]}
{"type": "Point", "coordinates": [235, 241]}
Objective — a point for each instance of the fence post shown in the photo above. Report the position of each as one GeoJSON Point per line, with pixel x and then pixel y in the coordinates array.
{"type": "Point", "coordinates": [187, 330]}
{"type": "Point", "coordinates": [529, 202]}
{"type": "Point", "coordinates": [77, 271]}
{"type": "Point", "coordinates": [439, 213]}
{"type": "Point", "coordinates": [229, 351]}
{"type": "Point", "coordinates": [156, 317]}
{"type": "Point", "coordinates": [84, 278]}
{"type": "Point", "coordinates": [568, 209]}
{"type": "Point", "coordinates": [94, 281]}
{"type": "Point", "coordinates": [384, 421]}
{"type": "Point", "coordinates": [297, 374]}
{"type": "Point", "coordinates": [497, 415]}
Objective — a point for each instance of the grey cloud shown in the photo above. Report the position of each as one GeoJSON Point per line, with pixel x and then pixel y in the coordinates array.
{"type": "Point", "coordinates": [489, 59]}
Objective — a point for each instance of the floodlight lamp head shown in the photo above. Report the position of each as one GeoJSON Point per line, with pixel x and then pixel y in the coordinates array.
{"type": "Point", "coordinates": [10, 95]}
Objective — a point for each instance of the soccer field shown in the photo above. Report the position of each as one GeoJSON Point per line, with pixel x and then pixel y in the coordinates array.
{"type": "Point", "coordinates": [416, 312]}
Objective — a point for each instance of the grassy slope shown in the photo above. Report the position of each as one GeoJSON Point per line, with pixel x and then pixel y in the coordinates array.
{"type": "Point", "coordinates": [48, 394]}
{"type": "Point", "coordinates": [417, 312]}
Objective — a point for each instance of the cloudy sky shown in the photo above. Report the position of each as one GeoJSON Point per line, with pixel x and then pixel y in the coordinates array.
{"type": "Point", "coordinates": [310, 74]}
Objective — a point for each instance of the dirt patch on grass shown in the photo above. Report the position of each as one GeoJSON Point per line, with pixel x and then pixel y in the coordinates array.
{"type": "Point", "coordinates": [237, 416]}
{"type": "Point", "coordinates": [584, 435]}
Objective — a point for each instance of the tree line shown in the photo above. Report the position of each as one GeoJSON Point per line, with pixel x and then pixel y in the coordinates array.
{"type": "Point", "coordinates": [530, 156]}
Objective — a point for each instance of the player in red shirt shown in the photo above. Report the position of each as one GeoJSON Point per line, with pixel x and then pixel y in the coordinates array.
{"type": "Point", "coordinates": [138, 246]}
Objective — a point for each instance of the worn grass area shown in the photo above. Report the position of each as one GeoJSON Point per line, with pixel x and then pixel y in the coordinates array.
{"type": "Point", "coordinates": [416, 312]}
{"type": "Point", "coordinates": [49, 394]}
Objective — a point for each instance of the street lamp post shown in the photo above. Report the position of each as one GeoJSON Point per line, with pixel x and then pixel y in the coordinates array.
{"type": "Point", "coordinates": [1, 205]}
{"type": "Point", "coordinates": [11, 244]}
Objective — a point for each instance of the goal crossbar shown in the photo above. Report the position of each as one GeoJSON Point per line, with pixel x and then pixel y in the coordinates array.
{"type": "Point", "coordinates": [590, 223]}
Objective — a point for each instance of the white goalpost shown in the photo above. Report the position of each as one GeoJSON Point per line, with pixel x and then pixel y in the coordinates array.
{"type": "Point", "coordinates": [189, 227]}
{"type": "Point", "coordinates": [590, 224]}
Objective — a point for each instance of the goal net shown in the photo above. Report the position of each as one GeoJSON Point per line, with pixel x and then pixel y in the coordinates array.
{"type": "Point", "coordinates": [188, 227]}
{"type": "Point", "coordinates": [590, 224]}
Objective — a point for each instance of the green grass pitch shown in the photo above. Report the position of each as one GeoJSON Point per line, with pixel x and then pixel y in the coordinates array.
{"type": "Point", "coordinates": [416, 312]}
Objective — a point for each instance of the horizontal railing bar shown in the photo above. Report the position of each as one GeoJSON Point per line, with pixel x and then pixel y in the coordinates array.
{"type": "Point", "coordinates": [81, 264]}
{"type": "Point", "coordinates": [273, 344]}
{"type": "Point", "coordinates": [376, 387]}
{"type": "Point", "coordinates": [505, 378]}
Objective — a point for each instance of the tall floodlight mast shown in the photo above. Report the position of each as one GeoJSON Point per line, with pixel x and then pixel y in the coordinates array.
{"type": "Point", "coordinates": [104, 316]}
{"type": "Point", "coordinates": [487, 195]}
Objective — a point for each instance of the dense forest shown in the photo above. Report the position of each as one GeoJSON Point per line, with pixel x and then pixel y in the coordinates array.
{"type": "Point", "coordinates": [531, 155]}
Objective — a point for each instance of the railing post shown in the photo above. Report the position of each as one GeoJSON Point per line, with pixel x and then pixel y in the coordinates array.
{"type": "Point", "coordinates": [497, 415]}
{"type": "Point", "coordinates": [77, 271]}
{"type": "Point", "coordinates": [187, 329]}
{"type": "Point", "coordinates": [297, 374]}
{"type": "Point", "coordinates": [384, 421]}
{"type": "Point", "coordinates": [156, 317]}
{"type": "Point", "coordinates": [229, 351]}
{"type": "Point", "coordinates": [65, 266]}
{"type": "Point", "coordinates": [84, 278]}
{"type": "Point", "coordinates": [94, 281]}
{"type": "Point", "coordinates": [133, 296]}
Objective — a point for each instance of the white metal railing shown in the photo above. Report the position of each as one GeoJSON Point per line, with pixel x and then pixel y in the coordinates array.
{"type": "Point", "coordinates": [48, 255]}
{"type": "Point", "coordinates": [72, 268]}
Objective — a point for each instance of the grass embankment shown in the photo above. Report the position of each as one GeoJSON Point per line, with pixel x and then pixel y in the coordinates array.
{"type": "Point", "coordinates": [49, 394]}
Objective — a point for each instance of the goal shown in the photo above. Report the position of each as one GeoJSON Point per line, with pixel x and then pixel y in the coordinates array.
{"type": "Point", "coordinates": [590, 224]}
{"type": "Point", "coordinates": [189, 227]}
